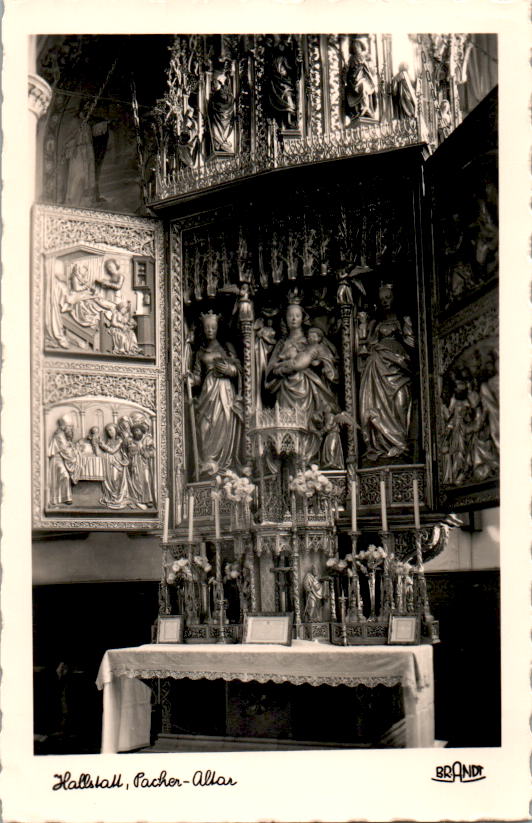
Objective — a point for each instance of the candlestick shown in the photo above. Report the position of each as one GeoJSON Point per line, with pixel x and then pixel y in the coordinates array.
{"type": "Point", "coordinates": [416, 502]}
{"type": "Point", "coordinates": [384, 516]}
{"type": "Point", "coordinates": [166, 516]}
{"type": "Point", "coordinates": [353, 505]}
{"type": "Point", "coordinates": [216, 517]}
{"type": "Point", "coordinates": [190, 515]}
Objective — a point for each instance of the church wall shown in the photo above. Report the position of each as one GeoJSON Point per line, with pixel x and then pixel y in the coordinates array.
{"type": "Point", "coordinates": [102, 557]}
{"type": "Point", "coordinates": [109, 557]}
{"type": "Point", "coordinates": [468, 551]}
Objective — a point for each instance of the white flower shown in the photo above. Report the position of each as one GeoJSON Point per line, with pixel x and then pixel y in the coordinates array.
{"type": "Point", "coordinates": [170, 577]}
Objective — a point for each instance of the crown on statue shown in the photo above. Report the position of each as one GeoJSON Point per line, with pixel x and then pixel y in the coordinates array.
{"type": "Point", "coordinates": [205, 315]}
{"type": "Point", "coordinates": [295, 298]}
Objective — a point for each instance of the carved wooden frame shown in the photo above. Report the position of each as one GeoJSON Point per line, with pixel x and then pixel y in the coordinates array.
{"type": "Point", "coordinates": [55, 228]}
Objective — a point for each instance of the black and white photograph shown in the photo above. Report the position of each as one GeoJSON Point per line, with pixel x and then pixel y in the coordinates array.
{"type": "Point", "coordinates": [263, 424]}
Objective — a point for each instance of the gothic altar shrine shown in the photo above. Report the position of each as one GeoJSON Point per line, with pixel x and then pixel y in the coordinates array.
{"type": "Point", "coordinates": [285, 371]}
{"type": "Point", "coordinates": [300, 385]}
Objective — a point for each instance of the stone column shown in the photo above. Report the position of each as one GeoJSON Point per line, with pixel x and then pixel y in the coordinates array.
{"type": "Point", "coordinates": [39, 97]}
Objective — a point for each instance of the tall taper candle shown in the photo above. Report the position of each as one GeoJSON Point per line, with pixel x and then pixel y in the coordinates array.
{"type": "Point", "coordinates": [416, 502]}
{"type": "Point", "coordinates": [216, 517]}
{"type": "Point", "coordinates": [166, 516]}
{"type": "Point", "coordinates": [384, 516]}
{"type": "Point", "coordinates": [353, 505]}
{"type": "Point", "coordinates": [190, 515]}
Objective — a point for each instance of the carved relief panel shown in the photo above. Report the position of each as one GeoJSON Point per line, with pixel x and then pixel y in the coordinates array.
{"type": "Point", "coordinates": [464, 205]}
{"type": "Point", "coordinates": [99, 414]}
{"type": "Point", "coordinates": [468, 405]}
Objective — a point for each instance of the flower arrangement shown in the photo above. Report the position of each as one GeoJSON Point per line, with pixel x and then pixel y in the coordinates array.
{"type": "Point", "coordinates": [180, 572]}
{"type": "Point", "coordinates": [403, 568]}
{"type": "Point", "coordinates": [237, 489]}
{"type": "Point", "coordinates": [370, 560]}
{"type": "Point", "coordinates": [310, 482]}
{"type": "Point", "coordinates": [335, 565]}
{"type": "Point", "coordinates": [201, 568]}
{"type": "Point", "coordinates": [232, 571]}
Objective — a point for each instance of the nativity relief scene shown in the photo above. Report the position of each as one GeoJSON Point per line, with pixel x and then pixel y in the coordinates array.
{"type": "Point", "coordinates": [272, 372]}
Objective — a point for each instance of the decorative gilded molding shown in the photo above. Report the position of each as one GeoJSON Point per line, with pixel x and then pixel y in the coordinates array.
{"type": "Point", "coordinates": [315, 84]}
{"type": "Point", "coordinates": [64, 227]}
{"type": "Point", "coordinates": [39, 95]}
{"type": "Point", "coordinates": [176, 344]}
{"type": "Point", "coordinates": [364, 139]}
{"type": "Point", "coordinates": [474, 323]}
{"type": "Point", "coordinates": [61, 386]}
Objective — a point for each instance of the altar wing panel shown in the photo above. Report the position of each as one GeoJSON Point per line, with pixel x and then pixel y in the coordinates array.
{"type": "Point", "coordinates": [98, 370]}
{"type": "Point", "coordinates": [463, 194]}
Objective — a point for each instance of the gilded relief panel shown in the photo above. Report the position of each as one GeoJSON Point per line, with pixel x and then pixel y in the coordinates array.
{"type": "Point", "coordinates": [99, 398]}
{"type": "Point", "coordinates": [468, 405]}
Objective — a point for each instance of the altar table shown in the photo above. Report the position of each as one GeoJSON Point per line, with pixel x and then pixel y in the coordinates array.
{"type": "Point", "coordinates": [126, 700]}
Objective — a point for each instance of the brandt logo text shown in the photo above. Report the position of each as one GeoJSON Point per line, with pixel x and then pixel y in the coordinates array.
{"type": "Point", "coordinates": [460, 772]}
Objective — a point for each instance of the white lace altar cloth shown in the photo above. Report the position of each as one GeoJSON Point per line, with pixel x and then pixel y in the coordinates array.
{"type": "Point", "coordinates": [126, 712]}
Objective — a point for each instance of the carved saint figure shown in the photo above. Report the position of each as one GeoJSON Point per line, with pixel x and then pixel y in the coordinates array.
{"type": "Point", "coordinates": [78, 154]}
{"type": "Point", "coordinates": [332, 455]}
{"type": "Point", "coordinates": [489, 396]}
{"type": "Point", "coordinates": [141, 452]}
{"type": "Point", "coordinates": [115, 484]}
{"type": "Point", "coordinates": [459, 430]}
{"type": "Point", "coordinates": [299, 373]}
{"type": "Point", "coordinates": [360, 92]}
{"type": "Point", "coordinates": [219, 407]}
{"type": "Point", "coordinates": [186, 149]}
{"type": "Point", "coordinates": [403, 94]}
{"type": "Point", "coordinates": [122, 332]}
{"type": "Point", "coordinates": [471, 437]}
{"type": "Point", "coordinates": [282, 74]}
{"type": "Point", "coordinates": [386, 382]}
{"type": "Point", "coordinates": [264, 343]}
{"type": "Point", "coordinates": [85, 300]}
{"type": "Point", "coordinates": [64, 464]}
{"type": "Point", "coordinates": [221, 114]}
{"type": "Point", "coordinates": [315, 595]}
{"type": "Point", "coordinates": [445, 121]}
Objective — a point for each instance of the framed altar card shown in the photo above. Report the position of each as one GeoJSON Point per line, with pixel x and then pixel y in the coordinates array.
{"type": "Point", "coordinates": [268, 628]}
{"type": "Point", "coordinates": [170, 628]}
{"type": "Point", "coordinates": [404, 630]}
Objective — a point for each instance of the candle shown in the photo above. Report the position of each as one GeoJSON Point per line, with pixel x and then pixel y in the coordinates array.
{"type": "Point", "coordinates": [216, 517]}
{"type": "Point", "coordinates": [416, 502]}
{"type": "Point", "coordinates": [353, 505]}
{"type": "Point", "coordinates": [190, 515]}
{"type": "Point", "coordinates": [166, 516]}
{"type": "Point", "coordinates": [384, 517]}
